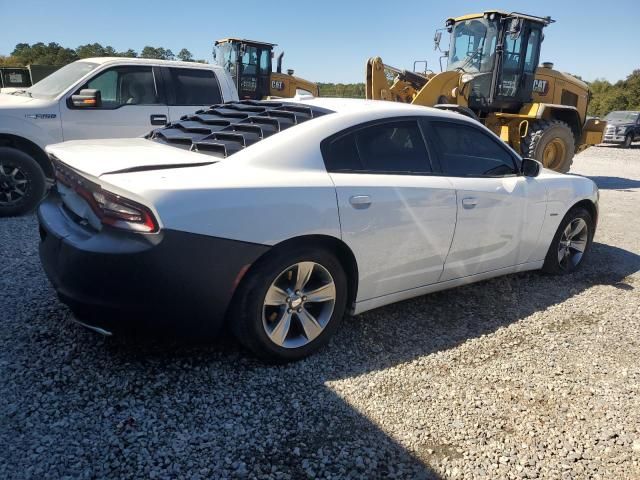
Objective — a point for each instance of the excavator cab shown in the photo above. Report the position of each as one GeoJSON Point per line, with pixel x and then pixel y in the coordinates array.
{"type": "Point", "coordinates": [497, 54]}
{"type": "Point", "coordinates": [492, 75]}
{"type": "Point", "coordinates": [249, 63]}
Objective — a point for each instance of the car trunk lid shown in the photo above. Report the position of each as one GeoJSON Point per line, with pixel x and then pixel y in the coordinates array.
{"type": "Point", "coordinates": [123, 155]}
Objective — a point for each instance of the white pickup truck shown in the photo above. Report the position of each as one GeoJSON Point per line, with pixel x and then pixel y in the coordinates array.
{"type": "Point", "coordinates": [94, 98]}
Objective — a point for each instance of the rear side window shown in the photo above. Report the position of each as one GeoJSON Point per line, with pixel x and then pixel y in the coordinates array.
{"type": "Point", "coordinates": [466, 151]}
{"type": "Point", "coordinates": [393, 147]}
{"type": "Point", "coordinates": [195, 87]}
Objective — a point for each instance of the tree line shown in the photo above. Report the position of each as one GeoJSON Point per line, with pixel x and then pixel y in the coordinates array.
{"type": "Point", "coordinates": [54, 54]}
{"type": "Point", "coordinates": [605, 96]}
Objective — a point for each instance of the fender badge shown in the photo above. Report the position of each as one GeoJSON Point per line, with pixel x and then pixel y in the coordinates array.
{"type": "Point", "coordinates": [41, 116]}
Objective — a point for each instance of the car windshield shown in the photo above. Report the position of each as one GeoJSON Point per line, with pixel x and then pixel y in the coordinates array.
{"type": "Point", "coordinates": [60, 80]}
{"type": "Point", "coordinates": [473, 45]}
{"type": "Point", "coordinates": [622, 117]}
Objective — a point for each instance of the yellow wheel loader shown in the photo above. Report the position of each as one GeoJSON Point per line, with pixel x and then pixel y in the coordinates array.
{"type": "Point", "coordinates": [249, 63]}
{"type": "Point", "coordinates": [492, 75]}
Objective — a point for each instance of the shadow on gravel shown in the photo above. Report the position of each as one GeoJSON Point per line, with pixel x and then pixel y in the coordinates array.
{"type": "Point", "coordinates": [214, 411]}
{"type": "Point", "coordinates": [615, 183]}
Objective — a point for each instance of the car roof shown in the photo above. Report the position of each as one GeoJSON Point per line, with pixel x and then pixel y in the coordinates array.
{"type": "Point", "coordinates": [357, 105]}
{"type": "Point", "coordinates": [148, 61]}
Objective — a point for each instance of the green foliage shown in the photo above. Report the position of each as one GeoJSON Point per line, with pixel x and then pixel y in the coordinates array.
{"type": "Point", "coordinates": [53, 54]}
{"type": "Point", "coordinates": [622, 95]}
{"type": "Point", "coordinates": [185, 55]}
{"type": "Point", "coordinates": [41, 54]}
{"type": "Point", "coordinates": [348, 90]}
{"type": "Point", "coordinates": [157, 53]}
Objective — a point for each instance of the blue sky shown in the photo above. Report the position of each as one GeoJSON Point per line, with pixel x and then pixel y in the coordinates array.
{"type": "Point", "coordinates": [327, 40]}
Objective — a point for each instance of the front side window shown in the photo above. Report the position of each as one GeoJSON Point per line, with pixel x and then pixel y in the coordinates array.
{"type": "Point", "coordinates": [250, 61]}
{"type": "Point", "coordinates": [265, 62]}
{"type": "Point", "coordinates": [195, 87]}
{"type": "Point", "coordinates": [393, 147]}
{"type": "Point", "coordinates": [122, 86]}
{"type": "Point", "coordinates": [533, 44]}
{"type": "Point", "coordinates": [466, 151]}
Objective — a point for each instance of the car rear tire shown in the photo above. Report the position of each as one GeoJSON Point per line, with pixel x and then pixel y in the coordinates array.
{"type": "Point", "coordinates": [290, 303]}
{"type": "Point", "coordinates": [22, 182]}
{"type": "Point", "coordinates": [571, 243]}
{"type": "Point", "coordinates": [551, 143]}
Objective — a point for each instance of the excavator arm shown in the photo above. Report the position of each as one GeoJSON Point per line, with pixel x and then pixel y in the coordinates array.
{"type": "Point", "coordinates": [403, 88]}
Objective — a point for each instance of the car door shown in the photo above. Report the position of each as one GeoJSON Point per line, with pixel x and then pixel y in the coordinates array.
{"type": "Point", "coordinates": [132, 105]}
{"type": "Point", "coordinates": [189, 90]}
{"type": "Point", "coordinates": [500, 212]}
{"type": "Point", "coordinates": [396, 216]}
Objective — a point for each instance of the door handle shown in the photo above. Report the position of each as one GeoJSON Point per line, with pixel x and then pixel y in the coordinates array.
{"type": "Point", "coordinates": [158, 119]}
{"type": "Point", "coordinates": [469, 202]}
{"type": "Point", "coordinates": [360, 201]}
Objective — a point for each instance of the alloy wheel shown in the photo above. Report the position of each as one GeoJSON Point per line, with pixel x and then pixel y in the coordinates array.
{"type": "Point", "coordinates": [298, 305]}
{"type": "Point", "coordinates": [14, 184]}
{"type": "Point", "coordinates": [572, 244]}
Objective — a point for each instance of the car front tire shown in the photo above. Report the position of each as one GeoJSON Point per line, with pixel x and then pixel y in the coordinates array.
{"type": "Point", "coordinates": [22, 182]}
{"type": "Point", "coordinates": [290, 303]}
{"type": "Point", "coordinates": [571, 243]}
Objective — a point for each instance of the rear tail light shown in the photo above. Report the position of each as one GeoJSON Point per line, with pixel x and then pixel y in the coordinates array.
{"type": "Point", "coordinates": [112, 209]}
{"type": "Point", "coordinates": [123, 213]}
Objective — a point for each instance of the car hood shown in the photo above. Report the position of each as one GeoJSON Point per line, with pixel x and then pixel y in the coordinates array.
{"type": "Point", "coordinates": [11, 101]}
{"type": "Point", "coordinates": [112, 156]}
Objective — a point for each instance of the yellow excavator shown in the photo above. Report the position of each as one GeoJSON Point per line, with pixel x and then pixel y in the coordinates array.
{"type": "Point", "coordinates": [492, 75]}
{"type": "Point", "coordinates": [250, 65]}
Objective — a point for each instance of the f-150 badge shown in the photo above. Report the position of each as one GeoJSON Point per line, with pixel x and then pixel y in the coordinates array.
{"type": "Point", "coordinates": [41, 116]}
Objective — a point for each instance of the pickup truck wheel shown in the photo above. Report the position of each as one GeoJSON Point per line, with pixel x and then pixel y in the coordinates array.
{"type": "Point", "coordinates": [627, 141]}
{"type": "Point", "coordinates": [290, 304]}
{"type": "Point", "coordinates": [551, 143]}
{"type": "Point", "coordinates": [22, 182]}
{"type": "Point", "coordinates": [571, 243]}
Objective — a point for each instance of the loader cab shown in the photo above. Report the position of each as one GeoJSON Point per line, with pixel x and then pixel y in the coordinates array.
{"type": "Point", "coordinates": [497, 54]}
{"type": "Point", "coordinates": [249, 64]}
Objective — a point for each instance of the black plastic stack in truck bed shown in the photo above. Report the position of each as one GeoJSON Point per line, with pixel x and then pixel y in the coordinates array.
{"type": "Point", "coordinates": [222, 130]}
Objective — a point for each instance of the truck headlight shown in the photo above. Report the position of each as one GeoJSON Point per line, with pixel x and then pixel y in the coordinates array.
{"type": "Point", "coordinates": [620, 130]}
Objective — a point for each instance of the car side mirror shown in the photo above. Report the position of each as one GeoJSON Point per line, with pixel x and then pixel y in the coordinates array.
{"type": "Point", "coordinates": [530, 167]}
{"type": "Point", "coordinates": [87, 98]}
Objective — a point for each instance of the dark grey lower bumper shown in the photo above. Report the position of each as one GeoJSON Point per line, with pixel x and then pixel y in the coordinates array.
{"type": "Point", "coordinates": [188, 277]}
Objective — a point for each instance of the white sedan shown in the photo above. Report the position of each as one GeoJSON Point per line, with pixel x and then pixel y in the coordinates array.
{"type": "Point", "coordinates": [275, 218]}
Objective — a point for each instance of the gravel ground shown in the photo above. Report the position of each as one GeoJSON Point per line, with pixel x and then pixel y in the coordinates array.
{"type": "Point", "coordinates": [526, 376]}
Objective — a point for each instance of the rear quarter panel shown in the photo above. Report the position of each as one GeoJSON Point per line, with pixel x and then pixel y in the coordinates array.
{"type": "Point", "coordinates": [280, 193]}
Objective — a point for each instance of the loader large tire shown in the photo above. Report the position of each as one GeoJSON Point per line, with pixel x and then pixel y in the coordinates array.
{"type": "Point", "coordinates": [551, 143]}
